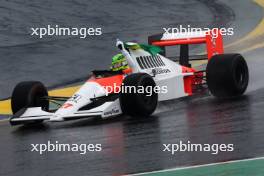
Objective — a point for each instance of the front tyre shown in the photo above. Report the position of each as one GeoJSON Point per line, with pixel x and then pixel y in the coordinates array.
{"type": "Point", "coordinates": [29, 94]}
{"type": "Point", "coordinates": [227, 75]}
{"type": "Point", "coordinates": [138, 102]}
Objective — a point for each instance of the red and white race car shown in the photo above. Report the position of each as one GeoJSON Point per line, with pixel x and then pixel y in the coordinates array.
{"type": "Point", "coordinates": [225, 75]}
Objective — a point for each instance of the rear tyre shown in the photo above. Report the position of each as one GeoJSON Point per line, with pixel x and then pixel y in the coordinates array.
{"type": "Point", "coordinates": [139, 103]}
{"type": "Point", "coordinates": [227, 75]}
{"type": "Point", "coordinates": [29, 94]}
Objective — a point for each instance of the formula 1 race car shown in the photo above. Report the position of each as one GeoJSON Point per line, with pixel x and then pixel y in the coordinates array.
{"type": "Point", "coordinates": [225, 75]}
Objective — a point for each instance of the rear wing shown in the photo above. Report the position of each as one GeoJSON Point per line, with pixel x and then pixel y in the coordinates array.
{"type": "Point", "coordinates": [214, 44]}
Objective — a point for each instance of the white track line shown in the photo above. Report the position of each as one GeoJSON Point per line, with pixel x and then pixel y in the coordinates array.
{"type": "Point", "coordinates": [197, 166]}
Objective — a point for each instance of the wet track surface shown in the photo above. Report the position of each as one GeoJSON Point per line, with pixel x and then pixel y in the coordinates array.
{"type": "Point", "coordinates": [129, 145]}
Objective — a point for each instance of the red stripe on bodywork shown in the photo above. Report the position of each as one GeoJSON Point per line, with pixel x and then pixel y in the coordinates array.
{"type": "Point", "coordinates": [197, 40]}
{"type": "Point", "coordinates": [188, 80]}
{"type": "Point", "coordinates": [112, 83]}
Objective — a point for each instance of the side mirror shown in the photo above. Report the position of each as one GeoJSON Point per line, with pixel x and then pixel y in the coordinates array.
{"type": "Point", "coordinates": [119, 44]}
{"type": "Point", "coordinates": [120, 47]}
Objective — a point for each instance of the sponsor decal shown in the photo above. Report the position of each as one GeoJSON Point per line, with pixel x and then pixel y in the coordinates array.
{"type": "Point", "coordinates": [75, 98]}
{"type": "Point", "coordinates": [157, 71]}
{"type": "Point", "coordinates": [112, 112]}
{"type": "Point", "coordinates": [67, 105]}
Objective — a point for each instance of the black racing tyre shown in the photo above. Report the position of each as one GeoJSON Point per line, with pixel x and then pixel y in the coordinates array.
{"type": "Point", "coordinates": [227, 75]}
{"type": "Point", "coordinates": [139, 103]}
{"type": "Point", "coordinates": [29, 94]}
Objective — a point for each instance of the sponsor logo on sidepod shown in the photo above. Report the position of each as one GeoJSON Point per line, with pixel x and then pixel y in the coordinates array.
{"type": "Point", "coordinates": [161, 71]}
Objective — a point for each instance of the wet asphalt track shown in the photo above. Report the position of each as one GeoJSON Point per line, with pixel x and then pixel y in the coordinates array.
{"type": "Point", "coordinates": [129, 146]}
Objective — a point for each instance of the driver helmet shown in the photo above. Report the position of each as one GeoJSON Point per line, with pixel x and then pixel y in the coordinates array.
{"type": "Point", "coordinates": [119, 63]}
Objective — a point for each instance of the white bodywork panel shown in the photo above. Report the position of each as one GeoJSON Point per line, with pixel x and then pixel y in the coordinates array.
{"type": "Point", "coordinates": [173, 78]}
{"type": "Point", "coordinates": [83, 97]}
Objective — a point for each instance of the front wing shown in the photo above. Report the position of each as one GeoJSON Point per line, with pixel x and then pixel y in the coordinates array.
{"type": "Point", "coordinates": [36, 114]}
